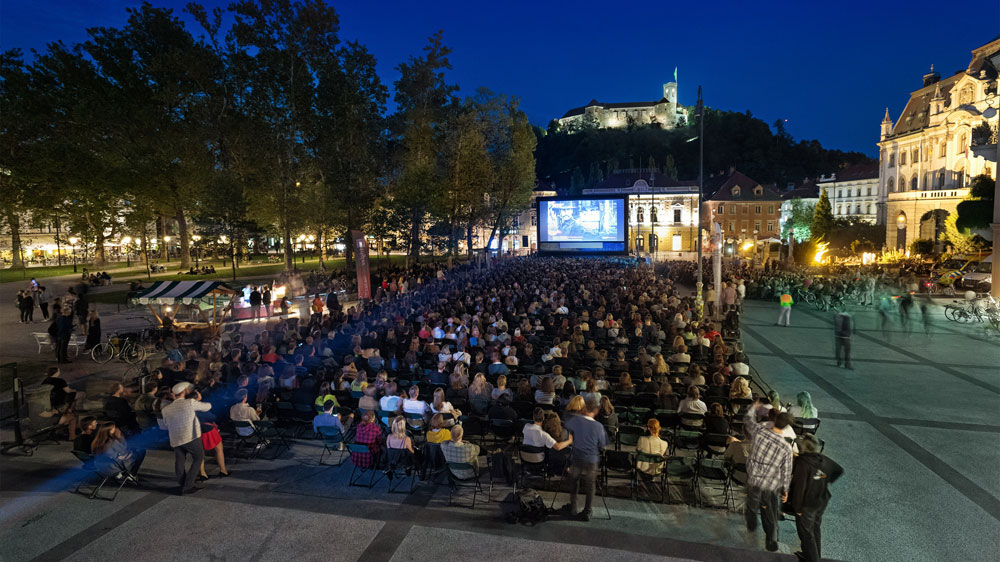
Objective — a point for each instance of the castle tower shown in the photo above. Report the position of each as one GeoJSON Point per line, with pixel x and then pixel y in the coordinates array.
{"type": "Point", "coordinates": [886, 124]}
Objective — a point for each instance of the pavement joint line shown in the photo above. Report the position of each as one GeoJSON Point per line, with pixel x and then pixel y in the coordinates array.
{"type": "Point", "coordinates": [972, 491]}
{"type": "Point", "coordinates": [939, 366]}
{"type": "Point", "coordinates": [94, 532]}
{"type": "Point", "coordinates": [912, 422]}
{"type": "Point", "coordinates": [860, 360]}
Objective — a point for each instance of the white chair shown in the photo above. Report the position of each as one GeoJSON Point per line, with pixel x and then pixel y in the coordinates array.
{"type": "Point", "coordinates": [75, 343]}
{"type": "Point", "coordinates": [43, 339]}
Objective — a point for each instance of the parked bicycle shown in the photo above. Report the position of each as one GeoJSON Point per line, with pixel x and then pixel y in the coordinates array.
{"type": "Point", "coordinates": [122, 346]}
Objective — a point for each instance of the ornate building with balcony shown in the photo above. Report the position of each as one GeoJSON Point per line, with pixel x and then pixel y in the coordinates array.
{"type": "Point", "coordinates": [662, 212]}
{"type": "Point", "coordinates": [926, 158]}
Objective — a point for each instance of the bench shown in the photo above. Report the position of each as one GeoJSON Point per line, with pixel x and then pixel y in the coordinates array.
{"type": "Point", "coordinates": [43, 339]}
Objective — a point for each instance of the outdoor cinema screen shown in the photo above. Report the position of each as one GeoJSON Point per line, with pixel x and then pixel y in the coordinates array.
{"type": "Point", "coordinates": [582, 225]}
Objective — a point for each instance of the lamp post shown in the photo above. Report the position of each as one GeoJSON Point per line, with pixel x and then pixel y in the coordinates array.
{"type": "Point", "coordinates": [755, 248]}
{"type": "Point", "coordinates": [126, 247]}
{"type": "Point", "coordinates": [73, 240]}
{"type": "Point", "coordinates": [197, 251]}
{"type": "Point", "coordinates": [700, 111]}
{"type": "Point", "coordinates": [166, 246]}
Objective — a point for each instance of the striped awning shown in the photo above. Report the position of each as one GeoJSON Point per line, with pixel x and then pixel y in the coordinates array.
{"type": "Point", "coordinates": [185, 292]}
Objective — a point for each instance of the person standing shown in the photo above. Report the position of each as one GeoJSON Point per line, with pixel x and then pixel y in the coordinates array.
{"type": "Point", "coordinates": [255, 302]}
{"type": "Point", "coordinates": [43, 302]}
{"type": "Point", "coordinates": [710, 301]}
{"type": "Point", "coordinates": [809, 494]}
{"type": "Point", "coordinates": [185, 433]}
{"type": "Point", "coordinates": [728, 297]}
{"type": "Point", "coordinates": [769, 472]}
{"type": "Point", "coordinates": [82, 307]}
{"type": "Point", "coordinates": [64, 331]}
{"type": "Point", "coordinates": [786, 302]}
{"type": "Point", "coordinates": [93, 330]}
{"type": "Point", "coordinates": [265, 298]}
{"type": "Point", "coordinates": [843, 329]}
{"type": "Point", "coordinates": [589, 439]}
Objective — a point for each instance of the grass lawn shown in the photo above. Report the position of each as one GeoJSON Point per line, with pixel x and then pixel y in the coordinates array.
{"type": "Point", "coordinates": [9, 274]}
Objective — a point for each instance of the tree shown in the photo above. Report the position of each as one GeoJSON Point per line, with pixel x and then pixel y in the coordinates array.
{"type": "Point", "coordinates": [515, 157]}
{"type": "Point", "coordinates": [18, 129]}
{"type": "Point", "coordinates": [960, 240]}
{"type": "Point", "coordinates": [800, 222]}
{"type": "Point", "coordinates": [278, 48]}
{"type": "Point", "coordinates": [469, 172]}
{"type": "Point", "coordinates": [976, 211]}
{"type": "Point", "coordinates": [669, 168]}
{"type": "Point", "coordinates": [577, 182]}
{"type": "Point", "coordinates": [822, 222]}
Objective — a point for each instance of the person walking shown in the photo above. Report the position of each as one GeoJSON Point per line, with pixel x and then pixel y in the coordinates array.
{"type": "Point", "coordinates": [809, 494]}
{"type": "Point", "coordinates": [589, 440]}
{"type": "Point", "coordinates": [265, 298]}
{"type": "Point", "coordinates": [843, 329]}
{"type": "Point", "coordinates": [786, 302]}
{"type": "Point", "coordinates": [255, 302]}
{"type": "Point", "coordinates": [769, 472]}
{"type": "Point", "coordinates": [185, 433]}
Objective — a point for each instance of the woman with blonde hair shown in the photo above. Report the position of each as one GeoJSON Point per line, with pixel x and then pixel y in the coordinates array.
{"type": "Point", "coordinates": [660, 366]}
{"type": "Point", "coordinates": [398, 439]}
{"type": "Point", "coordinates": [574, 407]}
{"type": "Point", "coordinates": [480, 388]}
{"type": "Point", "coordinates": [442, 406]}
{"type": "Point", "coordinates": [740, 389]}
{"type": "Point", "coordinates": [501, 388]}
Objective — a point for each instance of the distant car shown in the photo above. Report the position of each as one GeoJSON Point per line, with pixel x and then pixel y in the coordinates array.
{"type": "Point", "coordinates": [979, 276]}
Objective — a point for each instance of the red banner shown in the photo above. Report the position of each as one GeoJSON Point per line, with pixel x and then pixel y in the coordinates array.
{"type": "Point", "coordinates": [361, 264]}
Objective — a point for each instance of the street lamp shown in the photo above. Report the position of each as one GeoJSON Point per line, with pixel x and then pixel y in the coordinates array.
{"type": "Point", "coordinates": [197, 251]}
{"type": "Point", "coordinates": [166, 245]}
{"type": "Point", "coordinates": [73, 240]}
{"type": "Point", "coordinates": [125, 244]}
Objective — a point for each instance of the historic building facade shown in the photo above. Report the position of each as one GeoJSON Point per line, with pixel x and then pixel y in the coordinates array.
{"type": "Point", "coordinates": [855, 192]}
{"type": "Point", "coordinates": [742, 206]}
{"type": "Point", "coordinates": [665, 112]}
{"type": "Point", "coordinates": [926, 158]}
{"type": "Point", "coordinates": [662, 212]}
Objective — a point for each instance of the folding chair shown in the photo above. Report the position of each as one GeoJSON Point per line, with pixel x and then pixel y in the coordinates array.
{"type": "Point", "coordinates": [333, 442]}
{"type": "Point", "coordinates": [455, 481]}
{"type": "Point", "coordinates": [473, 428]}
{"type": "Point", "coordinates": [617, 464]}
{"type": "Point", "coordinates": [638, 415]}
{"type": "Point", "coordinates": [360, 451]}
{"type": "Point", "coordinates": [434, 463]}
{"type": "Point", "coordinates": [106, 469]}
{"type": "Point", "coordinates": [245, 434]}
{"type": "Point", "coordinates": [714, 444]}
{"type": "Point", "coordinates": [693, 422]}
{"type": "Point", "coordinates": [806, 425]}
{"type": "Point", "coordinates": [687, 442]}
{"type": "Point", "coordinates": [628, 436]}
{"type": "Point", "coordinates": [678, 470]}
{"type": "Point", "coordinates": [713, 470]}
{"type": "Point", "coordinates": [415, 423]}
{"type": "Point", "coordinates": [654, 474]}
{"type": "Point", "coordinates": [502, 430]}
{"type": "Point", "coordinates": [400, 460]}
{"type": "Point", "coordinates": [269, 435]}
{"type": "Point", "coordinates": [534, 462]}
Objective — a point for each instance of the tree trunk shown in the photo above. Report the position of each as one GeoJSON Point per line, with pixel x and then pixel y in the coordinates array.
{"type": "Point", "coordinates": [14, 221]}
{"type": "Point", "coordinates": [468, 239]}
{"type": "Point", "coordinates": [232, 254]}
{"type": "Point", "coordinates": [415, 235]}
{"type": "Point", "coordinates": [349, 247]}
{"type": "Point", "coordinates": [163, 236]}
{"type": "Point", "coordinates": [287, 242]}
{"type": "Point", "coordinates": [100, 259]}
{"type": "Point", "coordinates": [182, 232]}
{"type": "Point", "coordinates": [59, 256]}
{"type": "Point", "coordinates": [321, 240]}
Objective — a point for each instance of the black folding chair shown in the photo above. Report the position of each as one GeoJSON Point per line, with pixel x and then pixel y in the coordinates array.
{"type": "Point", "coordinates": [333, 442]}
{"type": "Point", "coordinates": [400, 464]}
{"type": "Point", "coordinates": [359, 451]}
{"type": "Point", "coordinates": [455, 481]}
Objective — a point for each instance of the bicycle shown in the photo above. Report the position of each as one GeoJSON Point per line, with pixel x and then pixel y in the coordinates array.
{"type": "Point", "coordinates": [802, 295]}
{"type": "Point", "coordinates": [123, 346]}
{"type": "Point", "coordinates": [137, 373]}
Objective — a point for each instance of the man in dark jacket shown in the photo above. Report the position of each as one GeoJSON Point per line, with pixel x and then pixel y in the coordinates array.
{"type": "Point", "coordinates": [843, 329]}
{"type": "Point", "coordinates": [64, 331]}
{"type": "Point", "coordinates": [256, 299]}
{"type": "Point", "coordinates": [812, 473]}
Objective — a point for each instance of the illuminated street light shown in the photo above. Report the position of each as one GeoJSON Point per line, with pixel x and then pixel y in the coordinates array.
{"type": "Point", "coordinates": [73, 240]}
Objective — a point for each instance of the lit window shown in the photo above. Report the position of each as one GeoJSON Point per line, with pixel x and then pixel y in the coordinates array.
{"type": "Point", "coordinates": [770, 226]}
{"type": "Point", "coordinates": [756, 209]}
{"type": "Point", "coordinates": [677, 215]}
{"type": "Point", "coordinates": [902, 158]}
{"type": "Point", "coordinates": [770, 209]}
{"type": "Point", "coordinates": [732, 209]}
{"type": "Point", "coordinates": [722, 209]}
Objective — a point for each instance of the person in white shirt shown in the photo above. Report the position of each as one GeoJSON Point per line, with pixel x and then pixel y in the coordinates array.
{"type": "Point", "coordinates": [693, 405]}
{"type": "Point", "coordinates": [185, 433]}
{"type": "Point", "coordinates": [461, 355]}
{"type": "Point", "coordinates": [391, 402]}
{"type": "Point", "coordinates": [535, 436]}
{"type": "Point", "coordinates": [445, 355]}
{"type": "Point", "coordinates": [241, 411]}
{"type": "Point", "coordinates": [437, 333]}
{"type": "Point", "coordinates": [414, 406]}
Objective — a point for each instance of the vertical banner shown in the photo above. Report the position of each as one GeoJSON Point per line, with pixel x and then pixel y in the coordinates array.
{"type": "Point", "coordinates": [361, 264]}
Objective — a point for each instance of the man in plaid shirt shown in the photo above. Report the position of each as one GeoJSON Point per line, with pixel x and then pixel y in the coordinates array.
{"type": "Point", "coordinates": [769, 471]}
{"type": "Point", "coordinates": [457, 450]}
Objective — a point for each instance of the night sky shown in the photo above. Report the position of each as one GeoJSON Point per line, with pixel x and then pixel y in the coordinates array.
{"type": "Point", "coordinates": [829, 68]}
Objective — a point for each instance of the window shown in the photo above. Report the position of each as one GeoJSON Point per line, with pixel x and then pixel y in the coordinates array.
{"type": "Point", "coordinates": [639, 215]}
{"type": "Point", "coordinates": [652, 215]}
{"type": "Point", "coordinates": [891, 185]}
{"type": "Point", "coordinates": [736, 191]}
{"type": "Point", "coordinates": [840, 209]}
{"type": "Point", "coordinates": [916, 155]}
{"type": "Point", "coordinates": [677, 215]}
{"type": "Point", "coordinates": [770, 226]}
{"type": "Point", "coordinates": [940, 182]}
{"type": "Point", "coordinates": [892, 160]}
{"type": "Point", "coordinates": [722, 209]}
{"type": "Point", "coordinates": [943, 151]}
{"type": "Point", "coordinates": [902, 158]}
{"type": "Point", "coordinates": [758, 191]}
{"type": "Point", "coordinates": [756, 209]}
{"type": "Point", "coordinates": [534, 220]}
{"type": "Point", "coordinates": [756, 225]}
{"type": "Point", "coordinates": [869, 190]}
{"type": "Point", "coordinates": [840, 194]}
{"type": "Point", "coordinates": [732, 226]}
{"type": "Point", "coordinates": [732, 209]}
{"type": "Point", "coordinates": [515, 222]}
{"type": "Point", "coordinates": [960, 146]}
{"type": "Point", "coordinates": [913, 184]}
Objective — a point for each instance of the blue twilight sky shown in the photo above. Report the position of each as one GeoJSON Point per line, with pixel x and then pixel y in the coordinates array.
{"type": "Point", "coordinates": [829, 68]}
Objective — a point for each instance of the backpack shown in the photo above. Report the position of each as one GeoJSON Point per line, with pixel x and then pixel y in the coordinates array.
{"type": "Point", "coordinates": [525, 507]}
{"type": "Point", "coordinates": [502, 466]}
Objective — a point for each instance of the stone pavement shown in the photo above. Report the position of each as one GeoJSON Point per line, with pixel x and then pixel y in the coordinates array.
{"type": "Point", "coordinates": [914, 426]}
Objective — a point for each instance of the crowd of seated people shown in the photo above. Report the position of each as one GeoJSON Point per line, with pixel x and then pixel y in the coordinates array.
{"type": "Point", "coordinates": [203, 270]}
{"type": "Point", "coordinates": [520, 348]}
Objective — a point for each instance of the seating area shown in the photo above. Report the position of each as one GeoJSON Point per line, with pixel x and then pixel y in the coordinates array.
{"type": "Point", "coordinates": [446, 357]}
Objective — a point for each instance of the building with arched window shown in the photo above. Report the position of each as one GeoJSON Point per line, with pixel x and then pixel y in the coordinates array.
{"type": "Point", "coordinates": [926, 156]}
{"type": "Point", "coordinates": [854, 189]}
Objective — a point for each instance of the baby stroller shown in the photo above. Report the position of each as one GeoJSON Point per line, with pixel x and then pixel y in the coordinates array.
{"type": "Point", "coordinates": [731, 325]}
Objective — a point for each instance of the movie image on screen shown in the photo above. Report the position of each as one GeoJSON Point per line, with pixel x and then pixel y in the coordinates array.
{"type": "Point", "coordinates": [583, 220]}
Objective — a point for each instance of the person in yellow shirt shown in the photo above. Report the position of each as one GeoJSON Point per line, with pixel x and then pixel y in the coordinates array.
{"type": "Point", "coordinates": [438, 433]}
{"type": "Point", "coordinates": [785, 316]}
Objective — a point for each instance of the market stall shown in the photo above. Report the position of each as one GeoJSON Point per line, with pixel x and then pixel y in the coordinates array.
{"type": "Point", "coordinates": [202, 305]}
